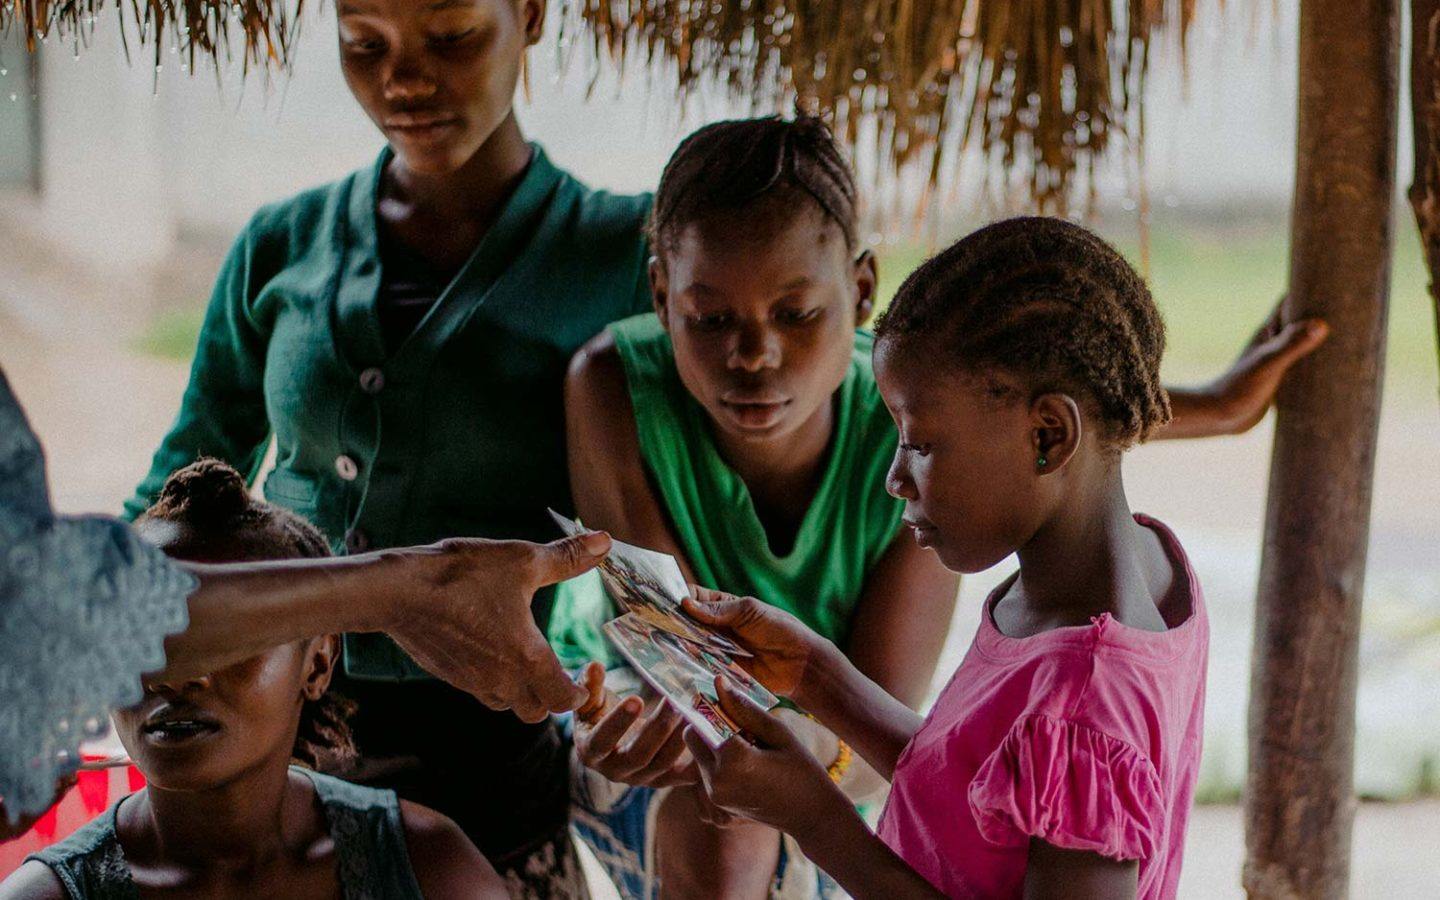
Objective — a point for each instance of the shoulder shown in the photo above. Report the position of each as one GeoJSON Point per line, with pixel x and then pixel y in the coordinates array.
{"type": "Point", "coordinates": [599, 410]}
{"type": "Point", "coordinates": [597, 375]}
{"type": "Point", "coordinates": [601, 213]}
{"type": "Point", "coordinates": [288, 228]}
{"type": "Point", "coordinates": [445, 862]}
{"type": "Point", "coordinates": [33, 881]}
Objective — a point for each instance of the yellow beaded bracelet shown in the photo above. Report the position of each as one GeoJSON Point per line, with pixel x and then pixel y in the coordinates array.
{"type": "Point", "coordinates": [836, 770]}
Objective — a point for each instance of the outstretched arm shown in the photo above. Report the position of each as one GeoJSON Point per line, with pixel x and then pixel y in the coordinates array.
{"type": "Point", "coordinates": [1238, 399]}
{"type": "Point", "coordinates": [460, 608]}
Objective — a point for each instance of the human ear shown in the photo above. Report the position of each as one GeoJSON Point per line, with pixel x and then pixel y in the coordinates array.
{"type": "Point", "coordinates": [532, 16]}
{"type": "Point", "coordinates": [659, 290]}
{"type": "Point", "coordinates": [1055, 432]}
{"type": "Point", "coordinates": [867, 276]}
{"type": "Point", "coordinates": [321, 654]}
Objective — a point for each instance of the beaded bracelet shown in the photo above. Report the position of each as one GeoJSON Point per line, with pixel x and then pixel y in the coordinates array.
{"type": "Point", "coordinates": [836, 770]}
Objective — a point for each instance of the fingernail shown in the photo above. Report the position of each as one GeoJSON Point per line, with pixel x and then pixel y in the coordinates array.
{"type": "Point", "coordinates": [596, 543]}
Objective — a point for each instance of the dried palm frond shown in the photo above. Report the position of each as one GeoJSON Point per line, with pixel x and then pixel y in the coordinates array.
{"type": "Point", "coordinates": [1039, 86]}
{"type": "Point", "coordinates": [263, 30]}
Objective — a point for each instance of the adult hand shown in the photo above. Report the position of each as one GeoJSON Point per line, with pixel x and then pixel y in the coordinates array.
{"type": "Point", "coordinates": [775, 780]}
{"type": "Point", "coordinates": [785, 651]}
{"type": "Point", "coordinates": [470, 623]}
{"type": "Point", "coordinates": [612, 738]}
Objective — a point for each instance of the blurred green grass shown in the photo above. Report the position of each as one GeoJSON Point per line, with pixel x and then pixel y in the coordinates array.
{"type": "Point", "coordinates": [1215, 284]}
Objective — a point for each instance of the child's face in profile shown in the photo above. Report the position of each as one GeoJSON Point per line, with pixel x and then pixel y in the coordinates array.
{"type": "Point", "coordinates": [199, 733]}
{"type": "Point", "coordinates": [762, 312]}
{"type": "Point", "coordinates": [966, 464]}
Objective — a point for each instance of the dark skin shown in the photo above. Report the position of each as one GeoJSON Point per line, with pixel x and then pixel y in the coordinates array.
{"type": "Point", "coordinates": [760, 310]}
{"type": "Point", "coordinates": [762, 315]}
{"type": "Point", "coordinates": [222, 815]}
{"type": "Point", "coordinates": [438, 79]}
{"type": "Point", "coordinates": [974, 492]}
{"type": "Point", "coordinates": [461, 608]}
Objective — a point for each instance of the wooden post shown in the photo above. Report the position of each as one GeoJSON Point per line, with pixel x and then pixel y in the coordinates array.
{"type": "Point", "coordinates": [1299, 802]}
{"type": "Point", "coordinates": [1425, 114]}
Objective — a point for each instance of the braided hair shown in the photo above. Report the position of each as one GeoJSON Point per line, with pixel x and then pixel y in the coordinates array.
{"type": "Point", "coordinates": [222, 521]}
{"type": "Point", "coordinates": [1048, 301]}
{"type": "Point", "coordinates": [733, 167]}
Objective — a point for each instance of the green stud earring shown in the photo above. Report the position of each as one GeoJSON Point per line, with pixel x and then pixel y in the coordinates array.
{"type": "Point", "coordinates": [1042, 462]}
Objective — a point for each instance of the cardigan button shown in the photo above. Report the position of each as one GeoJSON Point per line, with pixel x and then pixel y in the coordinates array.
{"type": "Point", "coordinates": [346, 467]}
{"type": "Point", "coordinates": [372, 380]}
{"type": "Point", "coordinates": [356, 541]}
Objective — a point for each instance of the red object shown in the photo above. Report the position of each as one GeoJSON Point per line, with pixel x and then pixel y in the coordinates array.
{"type": "Point", "coordinates": [93, 793]}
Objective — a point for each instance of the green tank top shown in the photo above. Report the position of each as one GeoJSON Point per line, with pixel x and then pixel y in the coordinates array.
{"type": "Point", "coordinates": [849, 525]}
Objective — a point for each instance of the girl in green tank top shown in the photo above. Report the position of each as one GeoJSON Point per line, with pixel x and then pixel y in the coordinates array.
{"type": "Point", "coordinates": [739, 429]}
{"type": "Point", "coordinates": [224, 813]}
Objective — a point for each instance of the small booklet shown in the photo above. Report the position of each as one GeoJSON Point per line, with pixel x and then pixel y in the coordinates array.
{"type": "Point", "coordinates": [679, 656]}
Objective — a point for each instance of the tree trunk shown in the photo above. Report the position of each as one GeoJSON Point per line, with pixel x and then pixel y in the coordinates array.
{"type": "Point", "coordinates": [1425, 114]}
{"type": "Point", "coordinates": [1299, 797]}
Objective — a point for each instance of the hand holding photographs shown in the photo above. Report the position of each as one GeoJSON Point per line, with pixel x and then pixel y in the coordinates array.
{"type": "Point", "coordinates": [677, 655]}
{"type": "Point", "coordinates": [651, 585]}
{"type": "Point", "coordinates": [684, 673]}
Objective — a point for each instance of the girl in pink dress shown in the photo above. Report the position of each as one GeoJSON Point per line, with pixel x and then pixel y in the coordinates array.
{"type": "Point", "coordinates": [1061, 758]}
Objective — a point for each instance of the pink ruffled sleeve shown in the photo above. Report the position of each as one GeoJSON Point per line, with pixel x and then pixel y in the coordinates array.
{"type": "Point", "coordinates": [1071, 786]}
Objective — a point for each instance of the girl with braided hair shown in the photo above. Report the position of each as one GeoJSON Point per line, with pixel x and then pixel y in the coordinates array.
{"type": "Point", "coordinates": [225, 813]}
{"type": "Point", "coordinates": [739, 427]}
{"type": "Point", "coordinates": [1060, 759]}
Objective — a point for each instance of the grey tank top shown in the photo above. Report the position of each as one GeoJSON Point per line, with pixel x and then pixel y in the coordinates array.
{"type": "Point", "coordinates": [372, 860]}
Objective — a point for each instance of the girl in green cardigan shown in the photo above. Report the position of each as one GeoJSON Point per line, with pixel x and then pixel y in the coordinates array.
{"type": "Point", "coordinates": [402, 335]}
{"type": "Point", "coordinates": [739, 428]}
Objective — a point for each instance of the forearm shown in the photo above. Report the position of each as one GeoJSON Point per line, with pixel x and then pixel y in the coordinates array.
{"type": "Point", "coordinates": [243, 609]}
{"type": "Point", "coordinates": [849, 852]}
{"type": "Point", "coordinates": [860, 782]}
{"type": "Point", "coordinates": [859, 711]}
{"type": "Point", "coordinates": [1196, 413]}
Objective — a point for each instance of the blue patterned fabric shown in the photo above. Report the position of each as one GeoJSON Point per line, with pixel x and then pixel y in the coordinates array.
{"type": "Point", "coordinates": [85, 606]}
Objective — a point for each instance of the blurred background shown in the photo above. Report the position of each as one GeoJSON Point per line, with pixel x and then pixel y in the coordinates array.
{"type": "Point", "coordinates": [122, 183]}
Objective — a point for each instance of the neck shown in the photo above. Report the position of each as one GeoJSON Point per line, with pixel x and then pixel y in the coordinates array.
{"type": "Point", "coordinates": [783, 473]}
{"type": "Point", "coordinates": [237, 825]}
{"type": "Point", "coordinates": [476, 190]}
{"type": "Point", "coordinates": [1090, 558]}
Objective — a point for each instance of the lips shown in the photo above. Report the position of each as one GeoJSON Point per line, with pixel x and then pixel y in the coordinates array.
{"type": "Point", "coordinates": [172, 724]}
{"type": "Point", "coordinates": [922, 529]}
{"type": "Point", "coordinates": [755, 412]}
{"type": "Point", "coordinates": [421, 125]}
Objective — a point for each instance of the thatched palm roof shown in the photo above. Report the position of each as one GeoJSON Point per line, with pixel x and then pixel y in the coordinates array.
{"type": "Point", "coordinates": [259, 32]}
{"type": "Point", "coordinates": [1040, 86]}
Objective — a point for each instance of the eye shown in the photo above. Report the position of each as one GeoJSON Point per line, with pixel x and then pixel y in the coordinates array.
{"type": "Point", "coordinates": [797, 315]}
{"type": "Point", "coordinates": [709, 321]}
{"type": "Point", "coordinates": [362, 45]}
{"type": "Point", "coordinates": [917, 449]}
{"type": "Point", "coordinates": [450, 38]}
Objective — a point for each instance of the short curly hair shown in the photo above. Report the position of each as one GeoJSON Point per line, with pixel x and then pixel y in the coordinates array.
{"type": "Point", "coordinates": [731, 167]}
{"type": "Point", "coordinates": [1050, 302]}
{"type": "Point", "coordinates": [211, 501]}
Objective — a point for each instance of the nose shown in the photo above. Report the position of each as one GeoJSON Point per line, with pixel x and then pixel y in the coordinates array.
{"type": "Point", "coordinates": [175, 687]}
{"type": "Point", "coordinates": [898, 482]}
{"type": "Point", "coordinates": [409, 80]}
{"type": "Point", "coordinates": [754, 348]}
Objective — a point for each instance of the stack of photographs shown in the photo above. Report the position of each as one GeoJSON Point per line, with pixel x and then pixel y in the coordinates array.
{"type": "Point", "coordinates": [679, 656]}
